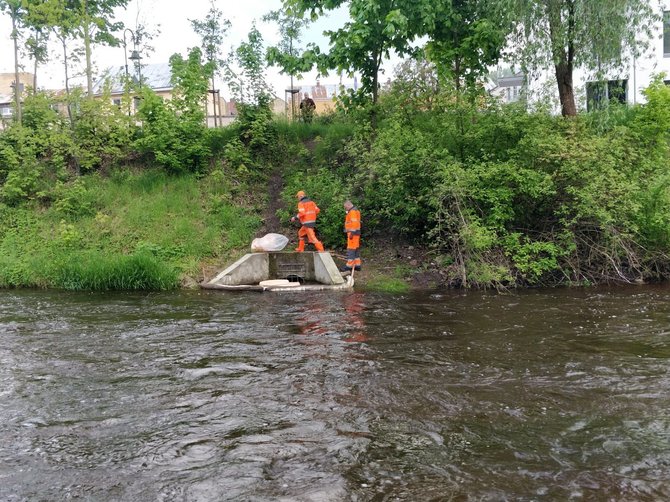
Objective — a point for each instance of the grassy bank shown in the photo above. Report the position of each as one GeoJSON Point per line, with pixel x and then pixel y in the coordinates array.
{"type": "Point", "coordinates": [454, 191]}
{"type": "Point", "coordinates": [131, 231]}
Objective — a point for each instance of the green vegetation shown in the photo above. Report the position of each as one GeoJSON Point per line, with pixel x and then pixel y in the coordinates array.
{"type": "Point", "coordinates": [132, 230]}
{"type": "Point", "coordinates": [505, 197]}
{"type": "Point", "coordinates": [95, 197]}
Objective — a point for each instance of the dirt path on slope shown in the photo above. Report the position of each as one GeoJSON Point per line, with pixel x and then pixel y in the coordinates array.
{"type": "Point", "coordinates": [271, 223]}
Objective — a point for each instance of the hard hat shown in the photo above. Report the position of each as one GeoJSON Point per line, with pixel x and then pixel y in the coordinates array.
{"type": "Point", "coordinates": [300, 194]}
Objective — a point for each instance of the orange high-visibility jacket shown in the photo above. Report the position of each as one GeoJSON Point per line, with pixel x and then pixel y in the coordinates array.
{"type": "Point", "coordinates": [307, 211]}
{"type": "Point", "coordinates": [352, 223]}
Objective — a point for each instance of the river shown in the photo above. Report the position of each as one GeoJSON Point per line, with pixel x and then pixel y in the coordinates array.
{"type": "Point", "coordinates": [453, 396]}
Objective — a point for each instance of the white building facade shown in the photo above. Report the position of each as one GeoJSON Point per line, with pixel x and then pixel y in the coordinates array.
{"type": "Point", "coordinates": [625, 85]}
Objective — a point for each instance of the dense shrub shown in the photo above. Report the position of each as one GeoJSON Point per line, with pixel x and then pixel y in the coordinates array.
{"type": "Point", "coordinates": [329, 193]}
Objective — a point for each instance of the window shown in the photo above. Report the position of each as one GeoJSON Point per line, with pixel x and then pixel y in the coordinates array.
{"type": "Point", "coordinates": [5, 111]}
{"type": "Point", "coordinates": [666, 34]}
{"type": "Point", "coordinates": [117, 102]}
{"type": "Point", "coordinates": [616, 91]}
{"type": "Point", "coordinates": [600, 94]}
{"type": "Point", "coordinates": [513, 93]}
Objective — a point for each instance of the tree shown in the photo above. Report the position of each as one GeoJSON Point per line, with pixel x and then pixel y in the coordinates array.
{"type": "Point", "coordinates": [249, 85]}
{"type": "Point", "coordinates": [173, 131]}
{"type": "Point", "coordinates": [465, 40]}
{"type": "Point", "coordinates": [17, 14]}
{"type": "Point", "coordinates": [287, 53]}
{"type": "Point", "coordinates": [94, 22]}
{"type": "Point", "coordinates": [376, 28]}
{"type": "Point", "coordinates": [64, 27]}
{"type": "Point", "coordinates": [41, 17]}
{"type": "Point", "coordinates": [189, 77]}
{"type": "Point", "coordinates": [570, 34]}
{"type": "Point", "coordinates": [211, 31]}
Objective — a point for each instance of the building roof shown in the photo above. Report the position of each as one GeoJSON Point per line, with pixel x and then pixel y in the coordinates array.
{"type": "Point", "coordinates": [158, 76]}
{"type": "Point", "coordinates": [515, 80]}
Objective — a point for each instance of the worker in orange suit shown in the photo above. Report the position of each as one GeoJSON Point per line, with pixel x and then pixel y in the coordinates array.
{"type": "Point", "coordinates": [352, 227]}
{"type": "Point", "coordinates": [307, 212]}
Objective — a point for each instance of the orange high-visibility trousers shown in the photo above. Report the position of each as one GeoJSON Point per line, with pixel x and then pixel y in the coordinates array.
{"type": "Point", "coordinates": [353, 250]}
{"type": "Point", "coordinates": [311, 237]}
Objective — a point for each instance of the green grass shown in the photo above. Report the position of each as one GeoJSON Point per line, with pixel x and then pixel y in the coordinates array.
{"type": "Point", "coordinates": [146, 231]}
{"type": "Point", "coordinates": [387, 284]}
{"type": "Point", "coordinates": [299, 131]}
{"type": "Point", "coordinates": [139, 271]}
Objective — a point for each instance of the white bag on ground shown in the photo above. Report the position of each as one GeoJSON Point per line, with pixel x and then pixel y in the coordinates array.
{"type": "Point", "coordinates": [269, 242]}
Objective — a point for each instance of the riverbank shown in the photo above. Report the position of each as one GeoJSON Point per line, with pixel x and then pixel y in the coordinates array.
{"type": "Point", "coordinates": [487, 196]}
{"type": "Point", "coordinates": [146, 230]}
{"type": "Point", "coordinates": [131, 230]}
{"type": "Point", "coordinates": [142, 229]}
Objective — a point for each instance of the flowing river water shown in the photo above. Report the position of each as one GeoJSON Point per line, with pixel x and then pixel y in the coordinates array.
{"type": "Point", "coordinates": [210, 396]}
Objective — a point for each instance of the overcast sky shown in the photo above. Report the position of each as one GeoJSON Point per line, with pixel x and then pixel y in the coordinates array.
{"type": "Point", "coordinates": [176, 35]}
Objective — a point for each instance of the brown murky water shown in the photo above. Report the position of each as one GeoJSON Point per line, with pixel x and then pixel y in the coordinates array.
{"type": "Point", "coordinates": [540, 395]}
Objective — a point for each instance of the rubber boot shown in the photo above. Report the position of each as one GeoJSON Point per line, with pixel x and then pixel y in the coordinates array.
{"type": "Point", "coordinates": [301, 246]}
{"type": "Point", "coordinates": [319, 246]}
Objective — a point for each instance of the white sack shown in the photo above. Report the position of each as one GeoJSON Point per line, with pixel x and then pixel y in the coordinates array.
{"type": "Point", "coordinates": [269, 242]}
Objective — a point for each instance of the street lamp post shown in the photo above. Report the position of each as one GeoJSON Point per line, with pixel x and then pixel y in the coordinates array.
{"type": "Point", "coordinates": [134, 56]}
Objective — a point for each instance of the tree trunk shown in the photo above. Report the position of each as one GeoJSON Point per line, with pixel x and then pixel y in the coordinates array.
{"type": "Point", "coordinates": [214, 100]}
{"type": "Point", "coordinates": [375, 90]}
{"type": "Point", "coordinates": [87, 48]}
{"type": "Point", "coordinates": [67, 82]}
{"type": "Point", "coordinates": [566, 92]}
{"type": "Point", "coordinates": [292, 101]}
{"type": "Point", "coordinates": [17, 81]}
{"type": "Point", "coordinates": [563, 51]}
{"type": "Point", "coordinates": [35, 78]}
{"type": "Point", "coordinates": [37, 43]}
{"type": "Point", "coordinates": [89, 70]}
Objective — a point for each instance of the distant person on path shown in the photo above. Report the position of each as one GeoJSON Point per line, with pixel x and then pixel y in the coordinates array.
{"type": "Point", "coordinates": [307, 107]}
{"type": "Point", "coordinates": [307, 212]}
{"type": "Point", "coordinates": [352, 227]}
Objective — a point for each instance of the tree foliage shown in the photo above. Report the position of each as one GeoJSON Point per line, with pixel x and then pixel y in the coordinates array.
{"type": "Point", "coordinates": [465, 40]}
{"type": "Point", "coordinates": [570, 34]}
{"type": "Point", "coordinates": [173, 132]}
{"type": "Point", "coordinates": [212, 30]}
{"type": "Point", "coordinates": [248, 84]}
{"type": "Point", "coordinates": [288, 53]}
{"type": "Point", "coordinates": [375, 29]}
{"type": "Point", "coordinates": [93, 22]}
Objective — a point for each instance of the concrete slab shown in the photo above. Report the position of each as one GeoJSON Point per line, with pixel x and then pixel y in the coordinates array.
{"type": "Point", "coordinates": [325, 270]}
{"type": "Point", "coordinates": [253, 268]}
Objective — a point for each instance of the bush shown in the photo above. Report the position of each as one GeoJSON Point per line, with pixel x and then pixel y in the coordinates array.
{"type": "Point", "coordinates": [398, 177]}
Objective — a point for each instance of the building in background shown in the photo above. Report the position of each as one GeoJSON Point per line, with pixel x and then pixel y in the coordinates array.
{"type": "Point", "coordinates": [324, 96]}
{"type": "Point", "coordinates": [624, 85]}
{"type": "Point", "coordinates": [508, 86]}
{"type": "Point", "coordinates": [7, 93]}
{"type": "Point", "coordinates": [158, 77]}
